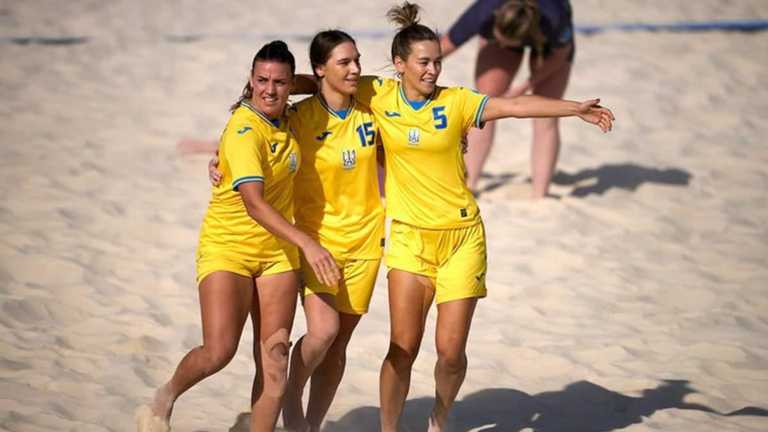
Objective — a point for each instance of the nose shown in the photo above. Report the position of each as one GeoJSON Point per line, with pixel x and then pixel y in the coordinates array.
{"type": "Point", "coordinates": [355, 68]}
{"type": "Point", "coordinates": [270, 88]}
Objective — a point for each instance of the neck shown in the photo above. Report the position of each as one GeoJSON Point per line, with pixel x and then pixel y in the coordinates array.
{"type": "Point", "coordinates": [335, 100]}
{"type": "Point", "coordinates": [413, 94]}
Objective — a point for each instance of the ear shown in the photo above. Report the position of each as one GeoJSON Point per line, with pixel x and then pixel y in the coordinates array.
{"type": "Point", "coordinates": [320, 71]}
{"type": "Point", "coordinates": [399, 64]}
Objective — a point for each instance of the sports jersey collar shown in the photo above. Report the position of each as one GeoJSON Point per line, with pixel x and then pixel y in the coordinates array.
{"type": "Point", "coordinates": [261, 115]}
{"type": "Point", "coordinates": [333, 112]}
{"type": "Point", "coordinates": [408, 102]}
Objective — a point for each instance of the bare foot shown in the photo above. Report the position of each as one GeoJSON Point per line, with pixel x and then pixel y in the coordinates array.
{"type": "Point", "coordinates": [147, 421]}
{"type": "Point", "coordinates": [433, 426]}
{"type": "Point", "coordinates": [162, 404]}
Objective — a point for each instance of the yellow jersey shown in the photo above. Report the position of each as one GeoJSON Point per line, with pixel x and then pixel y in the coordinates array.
{"type": "Point", "coordinates": [425, 185]}
{"type": "Point", "coordinates": [336, 190]}
{"type": "Point", "coordinates": [252, 149]}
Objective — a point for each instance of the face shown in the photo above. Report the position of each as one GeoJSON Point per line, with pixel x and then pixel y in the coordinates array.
{"type": "Point", "coordinates": [271, 82]}
{"type": "Point", "coordinates": [341, 72]}
{"type": "Point", "coordinates": [421, 69]}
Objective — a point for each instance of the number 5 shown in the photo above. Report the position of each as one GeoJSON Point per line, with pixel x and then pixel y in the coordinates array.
{"type": "Point", "coordinates": [441, 121]}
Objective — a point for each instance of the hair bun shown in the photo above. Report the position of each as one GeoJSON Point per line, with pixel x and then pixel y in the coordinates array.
{"type": "Point", "coordinates": [404, 15]}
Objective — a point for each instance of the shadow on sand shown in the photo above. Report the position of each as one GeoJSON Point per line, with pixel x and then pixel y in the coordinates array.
{"type": "Point", "coordinates": [579, 407]}
{"type": "Point", "coordinates": [625, 176]}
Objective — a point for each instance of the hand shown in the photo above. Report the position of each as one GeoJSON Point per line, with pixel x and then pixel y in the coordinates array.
{"type": "Point", "coordinates": [591, 112]}
{"type": "Point", "coordinates": [322, 263]}
{"type": "Point", "coordinates": [214, 175]}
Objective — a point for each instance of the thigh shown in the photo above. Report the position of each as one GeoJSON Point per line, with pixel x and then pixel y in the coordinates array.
{"type": "Point", "coordinates": [410, 296]}
{"type": "Point", "coordinates": [322, 317]}
{"type": "Point", "coordinates": [225, 301]}
{"type": "Point", "coordinates": [274, 304]}
{"type": "Point", "coordinates": [555, 84]}
{"type": "Point", "coordinates": [454, 320]}
{"type": "Point", "coordinates": [356, 288]}
{"type": "Point", "coordinates": [496, 68]}
{"type": "Point", "coordinates": [462, 273]}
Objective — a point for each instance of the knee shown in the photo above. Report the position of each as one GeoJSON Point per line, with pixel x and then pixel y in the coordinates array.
{"type": "Point", "coordinates": [274, 363]}
{"type": "Point", "coordinates": [452, 360]}
{"type": "Point", "coordinates": [402, 357]}
{"type": "Point", "coordinates": [322, 337]}
{"type": "Point", "coordinates": [217, 356]}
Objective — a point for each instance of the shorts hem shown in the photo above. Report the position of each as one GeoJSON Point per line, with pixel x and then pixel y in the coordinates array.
{"type": "Point", "coordinates": [406, 268]}
{"type": "Point", "coordinates": [446, 299]}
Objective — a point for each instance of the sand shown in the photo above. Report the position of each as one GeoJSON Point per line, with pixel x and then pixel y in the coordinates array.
{"type": "Point", "coordinates": [633, 302]}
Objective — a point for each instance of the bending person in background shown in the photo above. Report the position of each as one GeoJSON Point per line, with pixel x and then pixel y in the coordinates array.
{"type": "Point", "coordinates": [437, 249]}
{"type": "Point", "coordinates": [505, 29]}
{"type": "Point", "coordinates": [247, 255]}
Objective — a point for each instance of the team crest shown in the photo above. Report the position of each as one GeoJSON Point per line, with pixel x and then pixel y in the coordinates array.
{"type": "Point", "coordinates": [349, 159]}
{"type": "Point", "coordinates": [413, 136]}
{"type": "Point", "coordinates": [293, 162]}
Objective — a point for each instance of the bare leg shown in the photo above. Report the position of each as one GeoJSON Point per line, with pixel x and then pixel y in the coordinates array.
{"type": "Point", "coordinates": [328, 374]}
{"type": "Point", "coordinates": [322, 327]}
{"type": "Point", "coordinates": [546, 132]}
{"type": "Point", "coordinates": [275, 306]}
{"type": "Point", "coordinates": [224, 305]}
{"type": "Point", "coordinates": [495, 69]}
{"type": "Point", "coordinates": [453, 322]}
{"type": "Point", "coordinates": [410, 296]}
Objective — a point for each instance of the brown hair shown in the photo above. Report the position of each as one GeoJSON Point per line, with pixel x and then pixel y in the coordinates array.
{"type": "Point", "coordinates": [519, 20]}
{"type": "Point", "coordinates": [322, 45]}
{"type": "Point", "coordinates": [406, 17]}
{"type": "Point", "coordinates": [275, 51]}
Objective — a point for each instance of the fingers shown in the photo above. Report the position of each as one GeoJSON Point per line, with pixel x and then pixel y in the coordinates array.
{"type": "Point", "coordinates": [214, 175]}
{"type": "Point", "coordinates": [325, 269]}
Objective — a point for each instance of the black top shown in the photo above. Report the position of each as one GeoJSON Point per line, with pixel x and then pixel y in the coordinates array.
{"type": "Point", "coordinates": [556, 23]}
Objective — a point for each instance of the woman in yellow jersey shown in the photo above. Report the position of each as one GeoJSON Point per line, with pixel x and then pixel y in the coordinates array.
{"type": "Point", "coordinates": [436, 248]}
{"type": "Point", "coordinates": [247, 254]}
{"type": "Point", "coordinates": [337, 202]}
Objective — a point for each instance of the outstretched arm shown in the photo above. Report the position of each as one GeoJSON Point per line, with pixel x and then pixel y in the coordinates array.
{"type": "Point", "coordinates": [539, 106]}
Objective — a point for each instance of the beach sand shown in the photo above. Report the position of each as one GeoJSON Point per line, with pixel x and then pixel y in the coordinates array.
{"type": "Point", "coordinates": [633, 302]}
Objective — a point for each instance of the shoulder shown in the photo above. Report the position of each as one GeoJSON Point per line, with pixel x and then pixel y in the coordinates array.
{"type": "Point", "coordinates": [377, 82]}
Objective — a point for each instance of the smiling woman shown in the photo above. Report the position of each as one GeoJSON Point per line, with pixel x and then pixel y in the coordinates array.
{"type": "Point", "coordinates": [247, 255]}
{"type": "Point", "coordinates": [437, 248]}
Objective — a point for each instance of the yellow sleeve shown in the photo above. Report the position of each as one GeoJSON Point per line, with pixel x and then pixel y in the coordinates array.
{"type": "Point", "coordinates": [369, 86]}
{"type": "Point", "coordinates": [241, 148]}
{"type": "Point", "coordinates": [473, 104]}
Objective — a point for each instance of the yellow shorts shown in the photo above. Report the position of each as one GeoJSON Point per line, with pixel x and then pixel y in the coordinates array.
{"type": "Point", "coordinates": [353, 295]}
{"type": "Point", "coordinates": [455, 258]}
{"type": "Point", "coordinates": [207, 264]}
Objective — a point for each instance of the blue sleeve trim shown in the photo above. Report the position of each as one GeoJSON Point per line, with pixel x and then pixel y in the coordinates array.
{"type": "Point", "coordinates": [248, 179]}
{"type": "Point", "coordinates": [479, 113]}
